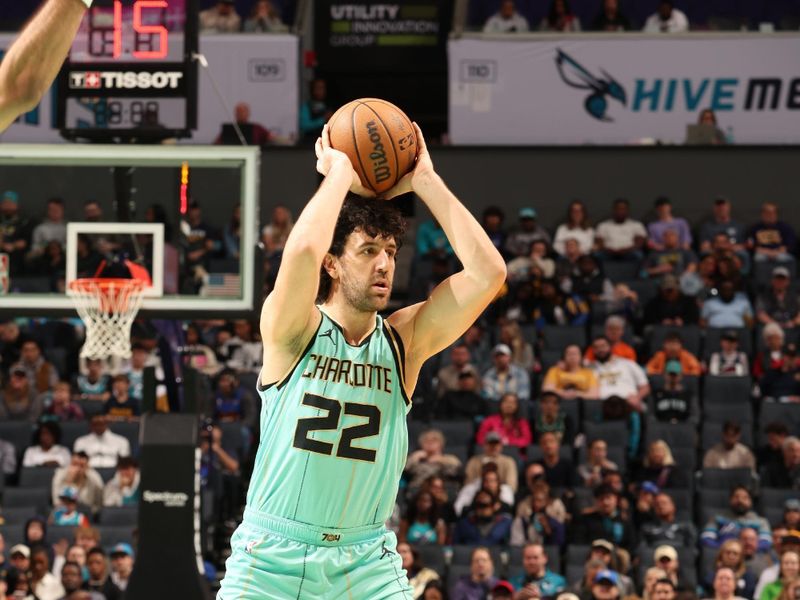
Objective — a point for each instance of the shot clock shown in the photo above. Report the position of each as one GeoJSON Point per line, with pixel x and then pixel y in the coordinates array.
{"type": "Point", "coordinates": [130, 72]}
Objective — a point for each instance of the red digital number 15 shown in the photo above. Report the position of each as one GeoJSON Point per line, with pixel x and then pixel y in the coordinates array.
{"type": "Point", "coordinates": [141, 28]}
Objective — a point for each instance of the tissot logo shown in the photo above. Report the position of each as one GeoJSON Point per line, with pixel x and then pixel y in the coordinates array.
{"type": "Point", "coordinates": [125, 80]}
{"type": "Point", "coordinates": [577, 76]}
{"type": "Point", "coordinates": [266, 69]}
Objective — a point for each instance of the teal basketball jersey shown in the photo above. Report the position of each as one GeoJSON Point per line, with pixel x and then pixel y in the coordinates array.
{"type": "Point", "coordinates": [333, 432]}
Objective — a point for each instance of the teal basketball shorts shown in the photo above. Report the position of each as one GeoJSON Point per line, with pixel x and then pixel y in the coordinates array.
{"type": "Point", "coordinates": [278, 559]}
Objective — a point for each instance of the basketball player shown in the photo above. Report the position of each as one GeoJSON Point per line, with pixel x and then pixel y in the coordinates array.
{"type": "Point", "coordinates": [36, 56]}
{"type": "Point", "coordinates": [336, 387]}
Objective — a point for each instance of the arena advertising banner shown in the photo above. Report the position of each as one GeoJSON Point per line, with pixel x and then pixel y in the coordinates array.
{"type": "Point", "coordinates": [261, 70]}
{"type": "Point", "coordinates": [378, 36]}
{"type": "Point", "coordinates": [623, 89]}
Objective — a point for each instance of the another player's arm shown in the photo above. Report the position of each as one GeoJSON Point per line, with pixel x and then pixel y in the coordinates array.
{"type": "Point", "coordinates": [429, 327]}
{"type": "Point", "coordinates": [288, 317]}
{"type": "Point", "coordinates": [34, 59]}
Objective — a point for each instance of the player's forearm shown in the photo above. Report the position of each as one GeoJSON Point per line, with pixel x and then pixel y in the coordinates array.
{"type": "Point", "coordinates": [36, 56]}
{"type": "Point", "coordinates": [469, 241]}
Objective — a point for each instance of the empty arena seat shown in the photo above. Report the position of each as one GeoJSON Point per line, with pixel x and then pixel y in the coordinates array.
{"type": "Point", "coordinates": [431, 556]}
{"type": "Point", "coordinates": [787, 413]}
{"type": "Point", "coordinates": [36, 477]}
{"type": "Point", "coordinates": [106, 473]}
{"type": "Point", "coordinates": [720, 412]}
{"type": "Point", "coordinates": [455, 573]}
{"type": "Point", "coordinates": [71, 431]}
{"type": "Point", "coordinates": [726, 390]}
{"type": "Point", "coordinates": [674, 434]}
{"type": "Point", "coordinates": [128, 430]}
{"type": "Point", "coordinates": [775, 497]}
{"type": "Point", "coordinates": [126, 516]}
{"type": "Point", "coordinates": [619, 271]}
{"type": "Point", "coordinates": [38, 498]}
{"type": "Point", "coordinates": [18, 514]}
{"type": "Point", "coordinates": [18, 433]}
{"type": "Point", "coordinates": [713, 335]}
{"type": "Point", "coordinates": [615, 433]}
{"type": "Point", "coordinates": [110, 535]}
{"type": "Point", "coordinates": [646, 289]}
{"type": "Point", "coordinates": [558, 337]}
{"type": "Point", "coordinates": [725, 479]}
{"type": "Point", "coordinates": [577, 554]}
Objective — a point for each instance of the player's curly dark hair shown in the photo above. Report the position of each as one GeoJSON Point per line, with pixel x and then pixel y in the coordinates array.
{"type": "Point", "coordinates": [376, 218]}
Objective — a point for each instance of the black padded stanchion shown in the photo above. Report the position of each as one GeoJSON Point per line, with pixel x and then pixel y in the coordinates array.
{"type": "Point", "coordinates": [168, 560]}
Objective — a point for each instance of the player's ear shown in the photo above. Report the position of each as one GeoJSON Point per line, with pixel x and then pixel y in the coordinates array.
{"type": "Point", "coordinates": [331, 265]}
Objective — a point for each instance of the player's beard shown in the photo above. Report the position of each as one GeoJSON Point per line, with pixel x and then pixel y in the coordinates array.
{"type": "Point", "coordinates": [360, 295]}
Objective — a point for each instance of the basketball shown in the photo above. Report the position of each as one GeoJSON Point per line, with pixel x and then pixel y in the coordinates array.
{"type": "Point", "coordinates": [378, 138]}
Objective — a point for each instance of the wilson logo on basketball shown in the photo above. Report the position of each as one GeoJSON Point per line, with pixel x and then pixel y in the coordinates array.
{"type": "Point", "coordinates": [378, 155]}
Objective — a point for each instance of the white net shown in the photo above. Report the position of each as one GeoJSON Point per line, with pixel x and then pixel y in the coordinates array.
{"type": "Point", "coordinates": [107, 308]}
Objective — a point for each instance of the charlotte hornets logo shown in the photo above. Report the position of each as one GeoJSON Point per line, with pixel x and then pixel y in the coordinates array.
{"type": "Point", "coordinates": [577, 76]}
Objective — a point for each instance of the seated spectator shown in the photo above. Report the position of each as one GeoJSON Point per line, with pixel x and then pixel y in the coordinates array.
{"type": "Point", "coordinates": [244, 351]}
{"type": "Point", "coordinates": [729, 309]}
{"type": "Point", "coordinates": [121, 407]}
{"type": "Point", "coordinates": [730, 556]}
{"type": "Point", "coordinates": [772, 239]}
{"type": "Point", "coordinates": [780, 382]}
{"type": "Point", "coordinates": [618, 377]}
{"type": "Point", "coordinates": [481, 578]}
{"type": "Point", "coordinates": [96, 384]}
{"type": "Point", "coordinates": [577, 225]}
{"type": "Point", "coordinates": [791, 513]}
{"type": "Point", "coordinates": [779, 303]}
{"type": "Point", "coordinates": [567, 264]}
{"type": "Point", "coordinates": [583, 587]}
{"type": "Point", "coordinates": [232, 403]}
{"type": "Point", "coordinates": [51, 263]}
{"type": "Point", "coordinates": [539, 518]}
{"type": "Point", "coordinates": [418, 575]}
{"type": "Point", "coordinates": [657, 585]}
{"type": "Point", "coordinates": [435, 486]}
{"type": "Point", "coordinates": [102, 446]}
{"type": "Point", "coordinates": [620, 237]}
{"type": "Point", "coordinates": [772, 452]}
{"type": "Point", "coordinates": [550, 418]}
{"type": "Point", "coordinates": [729, 361]}
{"type": "Point", "coordinates": [47, 451]}
{"type": "Point", "coordinates": [785, 541]}
{"type": "Point", "coordinates": [558, 472]}
{"type": "Point", "coordinates": [422, 523]}
{"type": "Point", "coordinates": [264, 18]}
{"type": "Point", "coordinates": [560, 18]}
{"type": "Point", "coordinates": [123, 488]}
{"type": "Point", "coordinates": [81, 477]}
{"type": "Point", "coordinates": [197, 354]}
{"type": "Point", "coordinates": [513, 429]}
{"type": "Point", "coordinates": [615, 331]}
{"type": "Point", "coordinates": [506, 20]}
{"type": "Point", "coordinates": [140, 359]}
{"type": "Point", "coordinates": [658, 465]}
{"type": "Point", "coordinates": [665, 528]}
{"type": "Point", "coordinates": [431, 461]}
{"type": "Point", "coordinates": [492, 453]}
{"type": "Point", "coordinates": [673, 350]}
{"type": "Point", "coordinates": [521, 350]}
{"type": "Point", "coordinates": [432, 241]}
{"type": "Point", "coordinates": [730, 453]}
{"type": "Point", "coordinates": [59, 407]}
{"type": "Point", "coordinates": [41, 373]}
{"type": "Point", "coordinates": [666, 557]}
{"type": "Point", "coordinates": [604, 520]}
{"type": "Point", "coordinates": [10, 342]}
{"type": "Point", "coordinates": [754, 560]}
{"type": "Point", "coordinates": [771, 357]}
{"type": "Point", "coordinates": [15, 232]}
{"type": "Point", "coordinates": [672, 259]}
{"type": "Point", "coordinates": [505, 378]}
{"type": "Point", "coordinates": [671, 306]}
{"type": "Point", "coordinates": [72, 581]}
{"type": "Point", "coordinates": [555, 308]}
{"type": "Point", "coordinates": [724, 254]}
{"type": "Point", "coordinates": [520, 240]}
{"type": "Point", "coordinates": [43, 584]}
{"type": "Point", "coordinates": [8, 460]}
{"type": "Point", "coordinates": [673, 401]}
{"type": "Point", "coordinates": [610, 18]}
{"type": "Point", "coordinates": [492, 222]}
{"type": "Point", "coordinates": [465, 402]}
{"type": "Point", "coordinates": [784, 474]}
{"type": "Point", "coordinates": [220, 18]}
{"type": "Point", "coordinates": [99, 575]}
{"type": "Point", "coordinates": [728, 525]}
{"type": "Point", "coordinates": [724, 585]}
{"type": "Point", "coordinates": [722, 223]}
{"type": "Point", "coordinates": [448, 376]}
{"type": "Point", "coordinates": [665, 222]}
{"type": "Point", "coordinates": [591, 472]}
{"type": "Point", "coordinates": [121, 565]}
{"type": "Point", "coordinates": [52, 229]}
{"type": "Point", "coordinates": [486, 523]}
{"type": "Point", "coordinates": [589, 283]}
{"type": "Point", "coordinates": [536, 576]}
{"type": "Point", "coordinates": [667, 19]}
{"type": "Point", "coordinates": [86, 537]}
{"type": "Point", "coordinates": [570, 379]}
{"type": "Point", "coordinates": [66, 511]}
{"type": "Point", "coordinates": [788, 577]}
{"type": "Point", "coordinates": [536, 266]}
{"type": "Point", "coordinates": [489, 481]}
{"type": "Point", "coordinates": [18, 400]}
{"type": "Point", "coordinates": [35, 532]}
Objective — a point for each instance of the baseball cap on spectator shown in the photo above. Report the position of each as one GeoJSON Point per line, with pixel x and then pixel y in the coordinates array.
{"type": "Point", "coordinates": [69, 493]}
{"type": "Point", "coordinates": [503, 586]}
{"type": "Point", "coordinates": [665, 551]}
{"type": "Point", "coordinates": [670, 282]}
{"type": "Point", "coordinates": [11, 196]}
{"type": "Point", "coordinates": [604, 544]}
{"type": "Point", "coordinates": [467, 371]}
{"type": "Point", "coordinates": [527, 213]}
{"type": "Point", "coordinates": [20, 549]}
{"type": "Point", "coordinates": [501, 349]}
{"type": "Point", "coordinates": [493, 436]}
{"type": "Point", "coordinates": [567, 596]}
{"type": "Point", "coordinates": [18, 369]}
{"type": "Point", "coordinates": [121, 548]}
{"type": "Point", "coordinates": [673, 367]}
{"type": "Point", "coordinates": [606, 576]}
{"type": "Point", "coordinates": [650, 487]}
{"type": "Point", "coordinates": [780, 272]}
{"type": "Point", "coordinates": [792, 504]}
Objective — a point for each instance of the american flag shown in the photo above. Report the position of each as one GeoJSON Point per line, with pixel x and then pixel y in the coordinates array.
{"type": "Point", "coordinates": [223, 285]}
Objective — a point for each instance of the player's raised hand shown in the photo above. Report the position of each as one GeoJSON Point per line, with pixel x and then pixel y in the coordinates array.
{"type": "Point", "coordinates": [423, 168]}
{"type": "Point", "coordinates": [328, 159]}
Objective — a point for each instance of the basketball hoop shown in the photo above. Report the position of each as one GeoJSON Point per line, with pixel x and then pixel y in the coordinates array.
{"type": "Point", "coordinates": [107, 307]}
